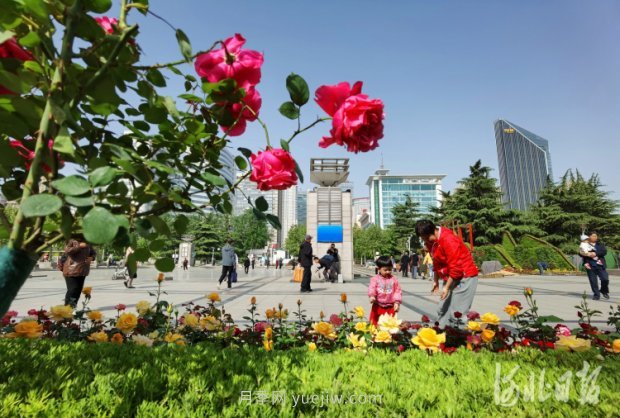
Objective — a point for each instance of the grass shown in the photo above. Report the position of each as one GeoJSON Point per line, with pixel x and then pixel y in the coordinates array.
{"type": "Point", "coordinates": [51, 379]}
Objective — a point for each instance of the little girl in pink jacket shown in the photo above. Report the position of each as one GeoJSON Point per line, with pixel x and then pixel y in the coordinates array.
{"type": "Point", "coordinates": [384, 291]}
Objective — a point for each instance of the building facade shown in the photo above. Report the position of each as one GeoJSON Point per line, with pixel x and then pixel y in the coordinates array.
{"type": "Point", "coordinates": [524, 164]}
{"type": "Point", "coordinates": [388, 190]}
{"type": "Point", "coordinates": [228, 171]}
{"type": "Point", "coordinates": [361, 212]}
{"type": "Point", "coordinates": [302, 206]}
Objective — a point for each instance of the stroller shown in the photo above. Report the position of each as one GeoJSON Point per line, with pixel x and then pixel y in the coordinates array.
{"type": "Point", "coordinates": [120, 272]}
{"type": "Point", "coordinates": [330, 272]}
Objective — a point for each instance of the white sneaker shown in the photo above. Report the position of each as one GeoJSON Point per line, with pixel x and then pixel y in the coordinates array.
{"type": "Point", "coordinates": [219, 285]}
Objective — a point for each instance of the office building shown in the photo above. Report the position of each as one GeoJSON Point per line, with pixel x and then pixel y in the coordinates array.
{"type": "Point", "coordinates": [228, 171]}
{"type": "Point", "coordinates": [524, 164]}
{"type": "Point", "coordinates": [302, 206]}
{"type": "Point", "coordinates": [361, 212]}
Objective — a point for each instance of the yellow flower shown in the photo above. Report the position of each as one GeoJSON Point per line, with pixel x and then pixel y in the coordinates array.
{"type": "Point", "coordinates": [87, 291]}
{"type": "Point", "coordinates": [127, 322]}
{"type": "Point", "coordinates": [343, 297]}
{"type": "Point", "coordinates": [214, 297]}
{"type": "Point", "coordinates": [95, 316]}
{"type": "Point", "coordinates": [269, 313]}
{"type": "Point", "coordinates": [253, 300]}
{"type": "Point", "coordinates": [210, 323]}
{"type": "Point", "coordinates": [268, 344]}
{"type": "Point", "coordinates": [359, 311]}
{"type": "Point", "coordinates": [487, 335]}
{"type": "Point", "coordinates": [615, 346]}
{"type": "Point", "coordinates": [489, 318]}
{"type": "Point", "coordinates": [61, 312]}
{"type": "Point", "coordinates": [191, 320]}
{"type": "Point", "coordinates": [572, 343]}
{"type": "Point", "coordinates": [356, 341]}
{"type": "Point", "coordinates": [512, 310]}
{"type": "Point", "coordinates": [27, 329]}
{"type": "Point", "coordinates": [143, 307]}
{"type": "Point", "coordinates": [473, 326]}
{"type": "Point", "coordinates": [142, 340]}
{"type": "Point", "coordinates": [528, 291]}
{"type": "Point", "coordinates": [268, 333]}
{"type": "Point", "coordinates": [389, 323]}
{"type": "Point", "coordinates": [154, 335]}
{"type": "Point", "coordinates": [428, 339]}
{"type": "Point", "coordinates": [160, 277]}
{"type": "Point", "coordinates": [371, 329]}
{"type": "Point", "coordinates": [174, 338]}
{"type": "Point", "coordinates": [117, 338]}
{"type": "Point", "coordinates": [312, 347]}
{"type": "Point", "coordinates": [325, 329]}
{"type": "Point", "coordinates": [383, 337]}
{"type": "Point", "coordinates": [98, 337]}
{"type": "Point", "coordinates": [361, 326]}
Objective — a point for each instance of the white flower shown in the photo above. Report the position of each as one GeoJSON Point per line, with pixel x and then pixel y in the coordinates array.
{"type": "Point", "coordinates": [142, 340]}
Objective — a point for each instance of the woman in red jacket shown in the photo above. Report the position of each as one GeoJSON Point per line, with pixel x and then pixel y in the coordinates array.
{"type": "Point", "coordinates": [453, 262]}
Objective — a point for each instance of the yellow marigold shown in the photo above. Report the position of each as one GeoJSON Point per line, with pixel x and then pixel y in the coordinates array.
{"type": "Point", "coordinates": [490, 318]}
{"type": "Point", "coordinates": [174, 338]}
{"type": "Point", "coordinates": [268, 344]}
{"type": "Point", "coordinates": [87, 291]}
{"type": "Point", "coordinates": [268, 333]}
{"type": "Point", "coordinates": [361, 326]}
{"type": "Point", "coordinates": [389, 323]}
{"type": "Point", "coordinates": [343, 297]}
{"type": "Point", "coordinates": [312, 347]}
{"type": "Point", "coordinates": [474, 326]}
{"type": "Point", "coordinates": [126, 322]}
{"type": "Point", "coordinates": [572, 343]}
{"type": "Point", "coordinates": [191, 320]}
{"type": "Point", "coordinates": [142, 340]}
{"type": "Point", "coordinates": [117, 338]}
{"type": "Point", "coordinates": [487, 335]}
{"type": "Point", "coordinates": [61, 312]}
{"type": "Point", "coordinates": [356, 341]}
{"type": "Point", "coordinates": [161, 277]}
{"type": "Point", "coordinates": [325, 329]}
{"type": "Point", "coordinates": [512, 310]}
{"type": "Point", "coordinates": [428, 339]}
{"type": "Point", "coordinates": [615, 346]}
{"type": "Point", "coordinates": [27, 329]}
{"type": "Point", "coordinates": [359, 311]}
{"type": "Point", "coordinates": [98, 337]}
{"type": "Point", "coordinates": [214, 297]}
{"type": "Point", "coordinates": [253, 300]}
{"type": "Point", "coordinates": [383, 337]}
{"type": "Point", "coordinates": [143, 307]}
{"type": "Point", "coordinates": [95, 316]}
{"type": "Point", "coordinates": [210, 323]}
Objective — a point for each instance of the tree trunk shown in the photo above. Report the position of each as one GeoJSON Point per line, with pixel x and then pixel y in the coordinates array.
{"type": "Point", "coordinates": [15, 267]}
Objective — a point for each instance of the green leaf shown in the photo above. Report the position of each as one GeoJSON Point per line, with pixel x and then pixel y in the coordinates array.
{"type": "Point", "coordinates": [246, 152]}
{"type": "Point", "coordinates": [157, 245]}
{"type": "Point", "coordinates": [66, 223]}
{"type": "Point", "coordinates": [155, 77]}
{"type": "Point", "coordinates": [63, 143]}
{"type": "Point", "coordinates": [180, 224]}
{"type": "Point", "coordinates": [297, 89]}
{"type": "Point", "coordinates": [274, 221]}
{"type": "Point", "coordinates": [184, 44]}
{"type": "Point", "coordinates": [80, 201]}
{"type": "Point", "coordinates": [32, 39]}
{"type": "Point", "coordinates": [102, 176]}
{"type": "Point", "coordinates": [299, 173]}
{"type": "Point", "coordinates": [5, 35]}
{"type": "Point", "coordinates": [261, 204]}
{"type": "Point", "coordinates": [213, 179]}
{"type": "Point", "coordinates": [36, 7]}
{"type": "Point", "coordinates": [99, 6]}
{"type": "Point", "coordinates": [241, 162]}
{"type": "Point", "coordinates": [165, 265]}
{"type": "Point", "coordinates": [142, 254]}
{"type": "Point", "coordinates": [550, 318]}
{"type": "Point", "coordinates": [100, 226]}
{"type": "Point", "coordinates": [72, 185]}
{"type": "Point", "coordinates": [289, 110]}
{"type": "Point", "coordinates": [285, 146]}
{"type": "Point", "coordinates": [41, 205]}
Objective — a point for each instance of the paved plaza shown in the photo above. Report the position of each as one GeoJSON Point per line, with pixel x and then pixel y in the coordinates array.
{"type": "Point", "coordinates": [556, 295]}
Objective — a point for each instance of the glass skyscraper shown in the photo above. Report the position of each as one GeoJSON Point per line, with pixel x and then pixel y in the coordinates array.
{"type": "Point", "coordinates": [524, 164]}
{"type": "Point", "coordinates": [387, 190]}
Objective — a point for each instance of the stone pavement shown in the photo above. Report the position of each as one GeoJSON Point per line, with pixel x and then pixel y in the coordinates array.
{"type": "Point", "coordinates": [556, 295]}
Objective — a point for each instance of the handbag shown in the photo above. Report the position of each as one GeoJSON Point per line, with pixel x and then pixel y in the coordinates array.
{"type": "Point", "coordinates": [233, 276]}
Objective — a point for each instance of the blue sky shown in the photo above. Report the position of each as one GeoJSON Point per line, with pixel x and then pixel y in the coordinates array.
{"type": "Point", "coordinates": [444, 69]}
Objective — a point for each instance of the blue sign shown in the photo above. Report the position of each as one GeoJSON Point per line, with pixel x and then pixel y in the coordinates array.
{"type": "Point", "coordinates": [330, 233]}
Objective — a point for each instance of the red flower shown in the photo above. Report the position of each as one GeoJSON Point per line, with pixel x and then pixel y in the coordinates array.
{"type": "Point", "coordinates": [357, 120]}
{"type": "Point", "coordinates": [335, 320]}
{"type": "Point", "coordinates": [107, 24]}
{"type": "Point", "coordinates": [273, 169]}
{"type": "Point", "coordinates": [415, 326]}
{"type": "Point", "coordinates": [401, 348]}
{"type": "Point", "coordinates": [515, 303]}
{"type": "Point", "coordinates": [120, 307]}
{"type": "Point", "coordinates": [11, 49]}
{"type": "Point", "coordinates": [425, 318]}
{"type": "Point", "coordinates": [28, 155]}
{"type": "Point", "coordinates": [230, 61]}
{"type": "Point", "coordinates": [457, 315]}
{"type": "Point", "coordinates": [473, 315]}
{"type": "Point", "coordinates": [251, 100]}
{"type": "Point", "coordinates": [33, 312]}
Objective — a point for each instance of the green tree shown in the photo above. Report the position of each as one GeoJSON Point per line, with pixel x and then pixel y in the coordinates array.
{"type": "Point", "coordinates": [209, 232]}
{"type": "Point", "coordinates": [249, 233]}
{"type": "Point", "coordinates": [404, 218]}
{"type": "Point", "coordinates": [367, 242]}
{"type": "Point", "coordinates": [294, 238]}
{"type": "Point", "coordinates": [565, 209]}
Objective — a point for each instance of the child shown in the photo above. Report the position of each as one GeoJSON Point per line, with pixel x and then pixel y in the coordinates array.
{"type": "Point", "coordinates": [584, 249]}
{"type": "Point", "coordinates": [316, 269]}
{"type": "Point", "coordinates": [384, 291]}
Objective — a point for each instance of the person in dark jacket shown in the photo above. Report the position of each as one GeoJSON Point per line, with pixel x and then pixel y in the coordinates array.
{"type": "Point", "coordinates": [404, 264]}
{"type": "Point", "coordinates": [595, 269]}
{"type": "Point", "coordinates": [414, 262]}
{"type": "Point", "coordinates": [228, 263]}
{"type": "Point", "coordinates": [76, 267]}
{"type": "Point", "coordinates": [305, 260]}
{"type": "Point", "coordinates": [246, 265]}
{"type": "Point", "coordinates": [333, 251]}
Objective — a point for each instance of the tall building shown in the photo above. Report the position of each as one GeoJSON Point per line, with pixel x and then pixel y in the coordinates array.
{"type": "Point", "coordinates": [387, 190]}
{"type": "Point", "coordinates": [229, 172]}
{"type": "Point", "coordinates": [524, 164]}
{"type": "Point", "coordinates": [287, 212]}
{"type": "Point", "coordinates": [302, 206]}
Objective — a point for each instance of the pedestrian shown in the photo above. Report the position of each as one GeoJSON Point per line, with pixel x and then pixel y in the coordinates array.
{"type": "Point", "coordinates": [253, 260]}
{"type": "Point", "coordinates": [281, 263]}
{"type": "Point", "coordinates": [414, 261]}
{"type": "Point", "coordinates": [305, 260]}
{"type": "Point", "coordinates": [185, 263]}
{"type": "Point", "coordinates": [228, 263]}
{"type": "Point", "coordinates": [404, 264]}
{"type": "Point", "coordinates": [76, 267]}
{"type": "Point", "coordinates": [384, 291]}
{"type": "Point", "coordinates": [316, 269]}
{"type": "Point", "coordinates": [595, 265]}
{"type": "Point", "coordinates": [267, 262]}
{"type": "Point", "coordinates": [132, 272]}
{"type": "Point", "coordinates": [428, 262]}
{"type": "Point", "coordinates": [277, 263]}
{"type": "Point", "coordinates": [246, 265]}
{"type": "Point", "coordinates": [454, 263]}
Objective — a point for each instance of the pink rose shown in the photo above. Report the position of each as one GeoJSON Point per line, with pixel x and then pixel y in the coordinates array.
{"type": "Point", "coordinates": [473, 315]}
{"type": "Point", "coordinates": [273, 169]}
{"type": "Point", "coordinates": [11, 49]}
{"type": "Point", "coordinates": [28, 155]}
{"type": "Point", "coordinates": [251, 100]}
{"type": "Point", "coordinates": [242, 65]}
{"type": "Point", "coordinates": [335, 320]}
{"type": "Point", "coordinates": [107, 24]}
{"type": "Point", "coordinates": [562, 330]}
{"type": "Point", "coordinates": [120, 307]}
{"type": "Point", "coordinates": [357, 120]}
{"type": "Point", "coordinates": [260, 326]}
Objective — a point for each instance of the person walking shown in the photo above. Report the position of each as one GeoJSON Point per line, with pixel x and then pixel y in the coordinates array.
{"type": "Point", "coordinates": [306, 260]}
{"type": "Point", "coordinates": [454, 263]}
{"type": "Point", "coordinates": [228, 263]}
{"type": "Point", "coordinates": [132, 272]}
{"type": "Point", "coordinates": [281, 263]}
{"type": "Point", "coordinates": [246, 265]}
{"type": "Point", "coordinates": [596, 267]}
{"type": "Point", "coordinates": [76, 267]}
{"type": "Point", "coordinates": [253, 260]}
{"type": "Point", "coordinates": [185, 263]}
{"type": "Point", "coordinates": [428, 262]}
{"type": "Point", "coordinates": [414, 260]}
{"type": "Point", "coordinates": [404, 264]}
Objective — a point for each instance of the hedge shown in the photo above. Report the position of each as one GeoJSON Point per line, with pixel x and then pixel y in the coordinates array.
{"type": "Point", "coordinates": [47, 378]}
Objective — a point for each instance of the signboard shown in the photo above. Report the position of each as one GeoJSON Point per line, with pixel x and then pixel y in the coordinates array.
{"type": "Point", "coordinates": [330, 233]}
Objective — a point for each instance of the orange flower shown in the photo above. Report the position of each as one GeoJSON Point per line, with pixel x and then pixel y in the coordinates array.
{"type": "Point", "coordinates": [343, 297]}
{"type": "Point", "coordinates": [528, 291]}
{"type": "Point", "coordinates": [487, 335]}
{"type": "Point", "coordinates": [512, 310]}
{"type": "Point", "coordinates": [87, 291]}
{"type": "Point", "coordinates": [253, 300]}
{"type": "Point", "coordinates": [268, 344]}
{"type": "Point", "coordinates": [127, 322]}
{"type": "Point", "coordinates": [214, 297]}
{"type": "Point", "coordinates": [160, 277]}
{"type": "Point", "coordinates": [117, 338]}
{"type": "Point", "coordinates": [27, 329]}
{"type": "Point", "coordinates": [268, 333]}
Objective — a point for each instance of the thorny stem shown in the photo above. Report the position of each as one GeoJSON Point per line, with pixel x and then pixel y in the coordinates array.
{"type": "Point", "coordinates": [298, 131]}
